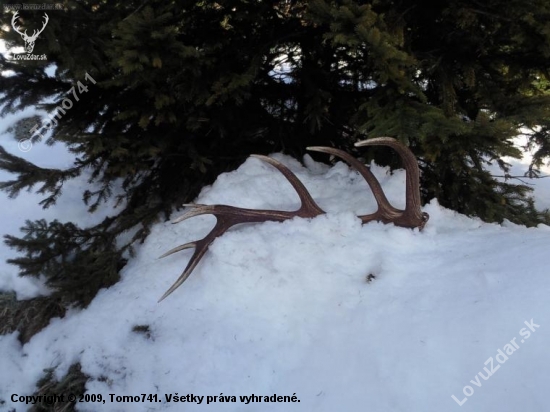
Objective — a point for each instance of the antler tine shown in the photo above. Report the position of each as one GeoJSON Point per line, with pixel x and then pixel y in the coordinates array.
{"type": "Point", "coordinates": [36, 32]}
{"type": "Point", "coordinates": [13, 22]}
{"type": "Point", "coordinates": [188, 245]}
{"type": "Point", "coordinates": [228, 216]}
{"type": "Point", "coordinates": [198, 210]}
{"type": "Point", "coordinates": [47, 19]}
{"type": "Point", "coordinates": [385, 212]}
{"type": "Point", "coordinates": [308, 205]}
{"type": "Point", "coordinates": [201, 247]}
{"type": "Point", "coordinates": [412, 215]}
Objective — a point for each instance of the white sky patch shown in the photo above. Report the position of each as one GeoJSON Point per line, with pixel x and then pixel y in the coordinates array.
{"type": "Point", "coordinates": [50, 70]}
{"type": "Point", "coordinates": [540, 186]}
{"type": "Point", "coordinates": [6, 54]}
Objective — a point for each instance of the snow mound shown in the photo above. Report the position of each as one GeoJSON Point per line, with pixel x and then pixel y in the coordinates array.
{"type": "Point", "coordinates": [346, 317]}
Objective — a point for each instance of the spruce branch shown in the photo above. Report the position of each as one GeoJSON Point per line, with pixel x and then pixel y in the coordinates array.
{"type": "Point", "coordinates": [75, 262]}
{"type": "Point", "coordinates": [29, 175]}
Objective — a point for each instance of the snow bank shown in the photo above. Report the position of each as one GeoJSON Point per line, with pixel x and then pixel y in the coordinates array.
{"type": "Point", "coordinates": [289, 308]}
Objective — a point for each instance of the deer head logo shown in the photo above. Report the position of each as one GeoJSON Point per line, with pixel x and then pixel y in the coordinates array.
{"type": "Point", "coordinates": [29, 40]}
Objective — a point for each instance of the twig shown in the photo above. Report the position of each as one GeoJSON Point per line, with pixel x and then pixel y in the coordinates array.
{"type": "Point", "coordinates": [507, 176]}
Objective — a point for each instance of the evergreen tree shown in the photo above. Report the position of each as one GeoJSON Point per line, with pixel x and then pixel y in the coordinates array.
{"type": "Point", "coordinates": [172, 93]}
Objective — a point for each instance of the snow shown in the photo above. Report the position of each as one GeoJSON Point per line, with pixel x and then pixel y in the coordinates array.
{"type": "Point", "coordinates": [26, 206]}
{"type": "Point", "coordinates": [287, 308]}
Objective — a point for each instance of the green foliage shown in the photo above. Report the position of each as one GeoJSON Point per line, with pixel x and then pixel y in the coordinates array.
{"type": "Point", "coordinates": [29, 175]}
{"type": "Point", "coordinates": [185, 90]}
{"type": "Point", "coordinates": [75, 262]}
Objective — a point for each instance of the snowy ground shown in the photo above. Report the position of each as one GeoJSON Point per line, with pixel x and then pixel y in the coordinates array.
{"type": "Point", "coordinates": [286, 308]}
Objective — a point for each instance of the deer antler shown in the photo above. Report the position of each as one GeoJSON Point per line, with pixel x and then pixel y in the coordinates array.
{"type": "Point", "coordinates": [228, 216]}
{"type": "Point", "coordinates": [13, 22]}
{"type": "Point", "coordinates": [37, 32]}
{"type": "Point", "coordinates": [412, 216]}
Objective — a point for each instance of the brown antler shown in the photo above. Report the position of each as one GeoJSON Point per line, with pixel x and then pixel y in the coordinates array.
{"type": "Point", "coordinates": [228, 216]}
{"type": "Point", "coordinates": [412, 216]}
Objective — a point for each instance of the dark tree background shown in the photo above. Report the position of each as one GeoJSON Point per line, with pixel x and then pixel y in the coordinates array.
{"type": "Point", "coordinates": [188, 89]}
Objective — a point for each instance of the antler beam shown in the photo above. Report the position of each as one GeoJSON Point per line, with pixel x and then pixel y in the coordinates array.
{"type": "Point", "coordinates": [412, 216]}
{"type": "Point", "coordinates": [228, 216]}
{"type": "Point", "coordinates": [14, 22]}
